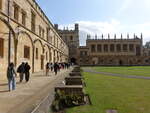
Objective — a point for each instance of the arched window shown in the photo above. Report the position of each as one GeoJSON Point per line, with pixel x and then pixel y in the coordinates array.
{"type": "Point", "coordinates": [99, 48]}
{"type": "Point", "coordinates": [112, 47]}
{"type": "Point", "coordinates": [105, 48]}
{"type": "Point", "coordinates": [118, 48]}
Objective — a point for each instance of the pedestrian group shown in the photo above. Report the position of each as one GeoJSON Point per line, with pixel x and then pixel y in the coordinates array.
{"type": "Point", "coordinates": [24, 72]}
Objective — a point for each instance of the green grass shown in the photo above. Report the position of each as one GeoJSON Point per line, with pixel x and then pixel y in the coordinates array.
{"type": "Point", "coordinates": [135, 70]}
{"type": "Point", "coordinates": [124, 94]}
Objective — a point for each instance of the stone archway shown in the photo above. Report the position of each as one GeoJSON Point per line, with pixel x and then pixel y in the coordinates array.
{"type": "Point", "coordinates": [47, 53]}
{"type": "Point", "coordinates": [25, 49]}
{"type": "Point", "coordinates": [6, 30]}
{"type": "Point", "coordinates": [120, 62]}
{"type": "Point", "coordinates": [38, 56]}
{"type": "Point", "coordinates": [73, 60]}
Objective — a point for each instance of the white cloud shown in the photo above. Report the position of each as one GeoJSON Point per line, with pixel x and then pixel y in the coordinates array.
{"type": "Point", "coordinates": [112, 27]}
{"type": "Point", "coordinates": [125, 5]}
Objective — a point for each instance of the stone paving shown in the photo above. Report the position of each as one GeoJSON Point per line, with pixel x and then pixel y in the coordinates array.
{"type": "Point", "coordinates": [28, 95]}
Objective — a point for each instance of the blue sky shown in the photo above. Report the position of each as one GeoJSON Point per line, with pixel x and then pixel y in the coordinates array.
{"type": "Point", "coordinates": [101, 16]}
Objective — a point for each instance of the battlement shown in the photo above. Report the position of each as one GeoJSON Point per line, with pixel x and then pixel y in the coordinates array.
{"type": "Point", "coordinates": [102, 37]}
{"type": "Point", "coordinates": [66, 29]}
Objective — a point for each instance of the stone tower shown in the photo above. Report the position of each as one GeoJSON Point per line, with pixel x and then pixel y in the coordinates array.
{"type": "Point", "coordinates": [71, 38]}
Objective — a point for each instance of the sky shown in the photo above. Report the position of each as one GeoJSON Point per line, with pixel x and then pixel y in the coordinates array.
{"type": "Point", "coordinates": [101, 16]}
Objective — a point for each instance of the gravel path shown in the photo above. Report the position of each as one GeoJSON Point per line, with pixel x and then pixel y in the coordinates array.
{"type": "Point", "coordinates": [28, 95]}
{"type": "Point", "coordinates": [113, 74]}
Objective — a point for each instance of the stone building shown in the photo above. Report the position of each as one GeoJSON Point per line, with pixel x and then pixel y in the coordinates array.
{"type": "Point", "coordinates": [27, 35]}
{"type": "Point", "coordinates": [71, 38]}
{"type": "Point", "coordinates": [123, 51]}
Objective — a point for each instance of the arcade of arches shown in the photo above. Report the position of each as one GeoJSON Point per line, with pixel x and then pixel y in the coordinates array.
{"type": "Point", "coordinates": [26, 47]}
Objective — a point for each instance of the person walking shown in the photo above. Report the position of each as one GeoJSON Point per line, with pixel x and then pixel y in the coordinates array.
{"type": "Point", "coordinates": [27, 72]}
{"type": "Point", "coordinates": [21, 71]}
{"type": "Point", "coordinates": [11, 74]}
{"type": "Point", "coordinates": [51, 66]}
{"type": "Point", "coordinates": [56, 66]}
{"type": "Point", "coordinates": [47, 69]}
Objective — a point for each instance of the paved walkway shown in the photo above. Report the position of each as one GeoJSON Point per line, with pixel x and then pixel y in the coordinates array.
{"type": "Point", "coordinates": [28, 95]}
{"type": "Point", "coordinates": [114, 74]}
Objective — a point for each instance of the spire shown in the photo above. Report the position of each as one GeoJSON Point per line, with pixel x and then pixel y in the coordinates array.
{"type": "Point", "coordinates": [115, 36]}
{"type": "Point", "coordinates": [141, 36]}
{"type": "Point", "coordinates": [96, 36]}
{"type": "Point", "coordinates": [108, 36]}
{"type": "Point", "coordinates": [102, 36]}
{"type": "Point", "coordinates": [87, 36]}
{"type": "Point", "coordinates": [128, 36]}
{"type": "Point", "coordinates": [121, 36]}
{"type": "Point", "coordinates": [134, 36]}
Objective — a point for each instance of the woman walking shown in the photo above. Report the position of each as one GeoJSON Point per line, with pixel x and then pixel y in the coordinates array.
{"type": "Point", "coordinates": [11, 74]}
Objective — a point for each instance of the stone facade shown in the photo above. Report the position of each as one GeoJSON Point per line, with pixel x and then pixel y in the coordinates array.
{"type": "Point", "coordinates": [123, 51]}
{"type": "Point", "coordinates": [71, 38]}
{"type": "Point", "coordinates": [31, 36]}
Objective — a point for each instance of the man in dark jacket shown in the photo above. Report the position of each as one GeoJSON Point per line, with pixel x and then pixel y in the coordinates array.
{"type": "Point", "coordinates": [56, 67]}
{"type": "Point", "coordinates": [27, 72]}
{"type": "Point", "coordinates": [21, 71]}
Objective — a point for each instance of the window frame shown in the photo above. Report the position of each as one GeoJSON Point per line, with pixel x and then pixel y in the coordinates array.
{"type": "Point", "coordinates": [16, 11]}
{"type": "Point", "coordinates": [36, 53]}
{"type": "Point", "coordinates": [1, 47]}
{"type": "Point", "coordinates": [26, 52]}
{"type": "Point", "coordinates": [24, 15]}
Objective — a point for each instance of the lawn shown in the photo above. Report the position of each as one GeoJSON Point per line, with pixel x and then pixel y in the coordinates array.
{"type": "Point", "coordinates": [135, 70]}
{"type": "Point", "coordinates": [123, 94]}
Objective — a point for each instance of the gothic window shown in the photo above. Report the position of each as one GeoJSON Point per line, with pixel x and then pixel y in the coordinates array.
{"type": "Point", "coordinates": [40, 31]}
{"type": "Point", "coordinates": [47, 33]}
{"type": "Point", "coordinates": [138, 50]}
{"type": "Point", "coordinates": [105, 48]}
{"type": "Point", "coordinates": [93, 48]}
{"type": "Point", "coordinates": [27, 52]}
{"type": "Point", "coordinates": [112, 47]}
{"type": "Point", "coordinates": [118, 48]}
{"type": "Point", "coordinates": [32, 21]}
{"type": "Point", "coordinates": [131, 47]}
{"type": "Point", "coordinates": [43, 33]}
{"type": "Point", "coordinates": [16, 12]}
{"type": "Point", "coordinates": [99, 48]}
{"type": "Point", "coordinates": [1, 48]}
{"type": "Point", "coordinates": [23, 18]}
{"type": "Point", "coordinates": [36, 53]}
{"type": "Point", "coordinates": [125, 47]}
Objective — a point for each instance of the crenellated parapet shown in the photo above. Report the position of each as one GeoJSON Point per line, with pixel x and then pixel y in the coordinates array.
{"type": "Point", "coordinates": [115, 37]}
